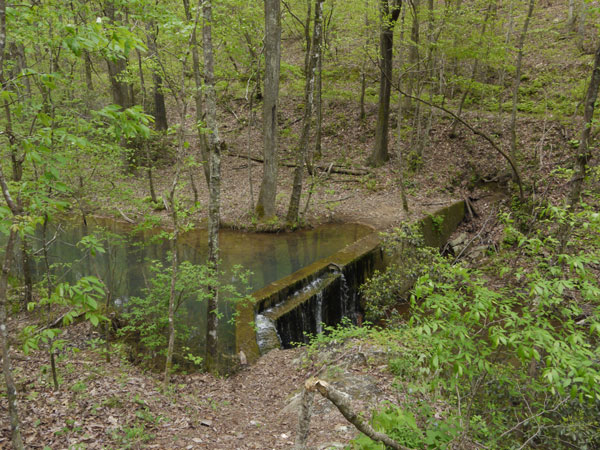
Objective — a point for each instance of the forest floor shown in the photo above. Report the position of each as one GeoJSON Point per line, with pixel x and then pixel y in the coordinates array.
{"type": "Point", "coordinates": [104, 405]}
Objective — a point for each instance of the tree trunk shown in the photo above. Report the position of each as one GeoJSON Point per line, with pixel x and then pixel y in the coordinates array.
{"type": "Point", "coordinates": [581, 26]}
{"type": "Point", "coordinates": [319, 101]}
{"type": "Point", "coordinates": [172, 293]}
{"type": "Point", "coordinates": [473, 74]}
{"type": "Point", "coordinates": [304, 416]}
{"type": "Point", "coordinates": [198, 91]}
{"type": "Point", "coordinates": [89, 84]}
{"type": "Point", "coordinates": [413, 59]}
{"type": "Point", "coordinates": [513, 117]}
{"type": "Point", "coordinates": [363, 68]}
{"type": "Point", "coordinates": [119, 89]}
{"type": "Point", "coordinates": [583, 152]}
{"type": "Point", "coordinates": [214, 203]}
{"type": "Point", "coordinates": [292, 215]}
{"type": "Point", "coordinates": [116, 66]}
{"type": "Point", "coordinates": [159, 110]}
{"type": "Point", "coordinates": [571, 16]}
{"type": "Point", "coordinates": [265, 207]}
{"type": "Point", "coordinates": [389, 16]}
{"type": "Point", "coordinates": [27, 270]}
{"type": "Point", "coordinates": [11, 391]}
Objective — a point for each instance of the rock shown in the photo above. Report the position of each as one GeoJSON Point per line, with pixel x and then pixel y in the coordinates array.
{"type": "Point", "coordinates": [342, 428]}
{"type": "Point", "coordinates": [458, 240]}
{"type": "Point", "coordinates": [478, 253]}
{"type": "Point", "coordinates": [331, 446]}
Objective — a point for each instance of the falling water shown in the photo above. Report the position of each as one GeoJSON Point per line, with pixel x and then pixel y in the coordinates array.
{"type": "Point", "coordinates": [319, 312]}
{"type": "Point", "coordinates": [266, 334]}
{"type": "Point", "coordinates": [344, 295]}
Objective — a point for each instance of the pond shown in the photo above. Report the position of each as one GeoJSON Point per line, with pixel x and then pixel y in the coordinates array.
{"type": "Point", "coordinates": [125, 266]}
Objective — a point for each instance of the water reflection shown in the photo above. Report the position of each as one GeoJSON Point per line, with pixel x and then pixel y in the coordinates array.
{"type": "Point", "coordinates": [124, 265]}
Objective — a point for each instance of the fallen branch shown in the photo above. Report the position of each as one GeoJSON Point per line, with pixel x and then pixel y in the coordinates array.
{"type": "Point", "coordinates": [127, 219]}
{"type": "Point", "coordinates": [329, 168]}
{"type": "Point", "coordinates": [340, 400]}
{"type": "Point", "coordinates": [475, 131]}
{"type": "Point", "coordinates": [339, 199]}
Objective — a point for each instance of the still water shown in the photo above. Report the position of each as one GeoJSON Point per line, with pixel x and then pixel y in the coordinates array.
{"type": "Point", "coordinates": [125, 265]}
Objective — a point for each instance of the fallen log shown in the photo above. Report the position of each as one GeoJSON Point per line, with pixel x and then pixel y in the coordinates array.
{"type": "Point", "coordinates": [330, 168]}
{"type": "Point", "coordinates": [341, 402]}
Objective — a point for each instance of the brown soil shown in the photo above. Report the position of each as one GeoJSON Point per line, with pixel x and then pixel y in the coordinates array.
{"type": "Point", "coordinates": [104, 405]}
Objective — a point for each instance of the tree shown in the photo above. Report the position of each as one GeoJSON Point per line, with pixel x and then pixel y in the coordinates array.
{"type": "Point", "coordinates": [583, 151]}
{"type": "Point", "coordinates": [4, 338]}
{"type": "Point", "coordinates": [13, 411]}
{"type": "Point", "coordinates": [265, 206]}
{"type": "Point", "coordinates": [159, 110]}
{"type": "Point", "coordinates": [214, 148]}
{"type": "Point", "coordinates": [309, 90]}
{"type": "Point", "coordinates": [390, 11]}
{"type": "Point", "coordinates": [198, 91]}
{"type": "Point", "coordinates": [116, 63]}
{"type": "Point", "coordinates": [517, 82]}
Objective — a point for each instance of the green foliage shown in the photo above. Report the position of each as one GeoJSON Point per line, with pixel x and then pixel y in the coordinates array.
{"type": "Point", "coordinates": [384, 291]}
{"type": "Point", "coordinates": [495, 349]}
{"type": "Point", "coordinates": [146, 317]}
{"type": "Point", "coordinates": [398, 424]}
{"type": "Point", "coordinates": [80, 300]}
{"type": "Point", "coordinates": [401, 425]}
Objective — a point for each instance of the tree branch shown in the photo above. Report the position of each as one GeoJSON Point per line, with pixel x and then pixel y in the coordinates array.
{"type": "Point", "coordinates": [339, 399]}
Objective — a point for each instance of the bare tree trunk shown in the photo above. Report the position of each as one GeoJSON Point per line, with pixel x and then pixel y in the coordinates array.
{"type": "Point", "coordinates": [89, 84]}
{"type": "Point", "coordinates": [119, 89]}
{"type": "Point", "coordinates": [583, 152]}
{"type": "Point", "coordinates": [581, 26]}
{"type": "Point", "coordinates": [363, 68]}
{"type": "Point", "coordinates": [307, 39]}
{"type": "Point", "coordinates": [319, 102]}
{"type": "Point", "coordinates": [19, 52]}
{"type": "Point", "coordinates": [265, 207]}
{"type": "Point", "coordinates": [159, 109]}
{"type": "Point", "coordinates": [571, 16]}
{"type": "Point", "coordinates": [256, 57]}
{"type": "Point", "coordinates": [198, 92]}
{"type": "Point", "coordinates": [473, 74]}
{"type": "Point", "coordinates": [413, 59]}
{"type": "Point", "coordinates": [172, 293]}
{"type": "Point", "coordinates": [304, 416]}
{"type": "Point", "coordinates": [292, 215]}
{"type": "Point", "coordinates": [27, 269]}
{"type": "Point", "coordinates": [146, 144]}
{"type": "Point", "coordinates": [390, 11]}
{"type": "Point", "coordinates": [193, 184]}
{"type": "Point", "coordinates": [214, 145]}
{"type": "Point", "coordinates": [517, 83]}
{"type": "Point", "coordinates": [251, 97]}
{"type": "Point", "coordinates": [11, 391]}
